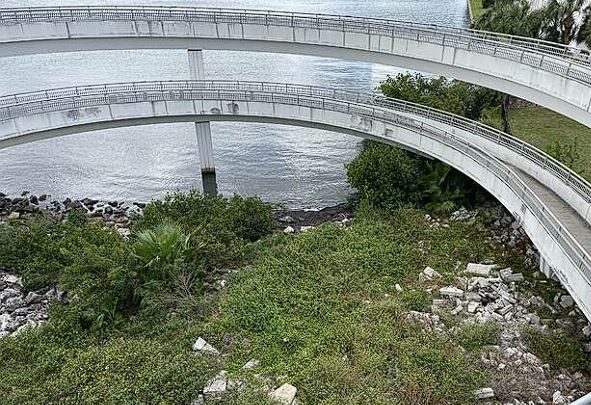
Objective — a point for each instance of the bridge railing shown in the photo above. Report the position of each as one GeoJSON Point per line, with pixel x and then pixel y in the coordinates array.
{"type": "Point", "coordinates": [365, 105]}
{"type": "Point", "coordinates": [51, 100]}
{"type": "Point", "coordinates": [563, 60]}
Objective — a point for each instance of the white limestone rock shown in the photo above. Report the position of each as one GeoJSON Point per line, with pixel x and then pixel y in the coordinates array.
{"type": "Point", "coordinates": [200, 400]}
{"type": "Point", "coordinates": [252, 363]}
{"type": "Point", "coordinates": [124, 232]}
{"type": "Point", "coordinates": [472, 306]}
{"type": "Point", "coordinates": [289, 230]}
{"type": "Point", "coordinates": [217, 386]}
{"type": "Point", "coordinates": [285, 394]}
{"type": "Point", "coordinates": [484, 393]}
{"type": "Point", "coordinates": [515, 277]}
{"type": "Point", "coordinates": [201, 345]}
{"type": "Point", "coordinates": [566, 301]}
{"type": "Point", "coordinates": [451, 292]}
{"type": "Point", "coordinates": [480, 269]}
{"type": "Point", "coordinates": [12, 279]}
{"type": "Point", "coordinates": [431, 274]}
{"type": "Point", "coordinates": [505, 273]}
{"type": "Point", "coordinates": [558, 399]}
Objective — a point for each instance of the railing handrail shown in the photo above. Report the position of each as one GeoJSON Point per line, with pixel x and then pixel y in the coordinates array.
{"type": "Point", "coordinates": [569, 177]}
{"type": "Point", "coordinates": [385, 21]}
{"type": "Point", "coordinates": [564, 53]}
{"type": "Point", "coordinates": [139, 91]}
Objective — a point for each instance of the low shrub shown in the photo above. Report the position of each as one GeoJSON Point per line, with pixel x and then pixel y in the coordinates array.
{"type": "Point", "coordinates": [223, 226]}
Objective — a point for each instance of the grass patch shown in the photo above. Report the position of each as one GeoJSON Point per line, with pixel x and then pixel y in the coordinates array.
{"type": "Point", "coordinates": [543, 128]}
{"type": "Point", "coordinates": [475, 337]}
{"type": "Point", "coordinates": [477, 8]}
{"type": "Point", "coordinates": [565, 139]}
{"type": "Point", "coordinates": [559, 349]}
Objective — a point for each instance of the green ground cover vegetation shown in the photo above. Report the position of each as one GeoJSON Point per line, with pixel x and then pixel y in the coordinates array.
{"type": "Point", "coordinates": [320, 308]}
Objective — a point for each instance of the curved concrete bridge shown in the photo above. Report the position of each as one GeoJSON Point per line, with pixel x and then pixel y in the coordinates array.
{"type": "Point", "coordinates": [548, 74]}
{"type": "Point", "coordinates": [525, 180]}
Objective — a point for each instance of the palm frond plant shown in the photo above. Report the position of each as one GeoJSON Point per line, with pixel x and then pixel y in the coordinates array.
{"type": "Point", "coordinates": [159, 248]}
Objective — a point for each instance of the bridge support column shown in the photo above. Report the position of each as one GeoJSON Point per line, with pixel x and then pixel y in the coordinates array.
{"type": "Point", "coordinates": [203, 131]}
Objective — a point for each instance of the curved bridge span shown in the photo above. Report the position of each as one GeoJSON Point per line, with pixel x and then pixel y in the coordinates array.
{"type": "Point", "coordinates": [557, 77]}
{"type": "Point", "coordinates": [525, 180]}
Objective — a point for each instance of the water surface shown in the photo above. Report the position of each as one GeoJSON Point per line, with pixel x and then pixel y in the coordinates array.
{"type": "Point", "coordinates": [302, 167]}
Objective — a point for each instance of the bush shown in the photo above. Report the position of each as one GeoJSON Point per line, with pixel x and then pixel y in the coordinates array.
{"type": "Point", "coordinates": [389, 177]}
{"type": "Point", "coordinates": [223, 226]}
{"type": "Point", "coordinates": [385, 176]}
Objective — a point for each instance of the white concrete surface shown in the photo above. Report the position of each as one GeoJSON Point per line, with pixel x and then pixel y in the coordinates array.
{"type": "Point", "coordinates": [556, 77]}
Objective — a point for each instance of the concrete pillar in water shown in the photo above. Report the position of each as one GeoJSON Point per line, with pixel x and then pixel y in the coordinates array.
{"type": "Point", "coordinates": [203, 131]}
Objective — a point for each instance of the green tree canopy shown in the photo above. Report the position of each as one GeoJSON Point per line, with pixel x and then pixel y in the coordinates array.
{"type": "Point", "coordinates": [448, 95]}
{"type": "Point", "coordinates": [513, 17]}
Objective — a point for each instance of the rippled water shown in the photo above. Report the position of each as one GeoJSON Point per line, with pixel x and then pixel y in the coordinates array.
{"type": "Point", "coordinates": [299, 166]}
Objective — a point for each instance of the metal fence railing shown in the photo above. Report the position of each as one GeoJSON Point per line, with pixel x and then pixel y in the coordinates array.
{"type": "Point", "coordinates": [567, 61]}
{"type": "Point", "coordinates": [43, 101]}
{"type": "Point", "coordinates": [366, 105]}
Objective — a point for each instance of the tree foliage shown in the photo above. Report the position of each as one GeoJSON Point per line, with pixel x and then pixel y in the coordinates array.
{"type": "Point", "coordinates": [385, 176]}
{"type": "Point", "coordinates": [453, 96]}
{"type": "Point", "coordinates": [560, 21]}
{"type": "Point", "coordinates": [388, 177]}
{"type": "Point", "coordinates": [513, 17]}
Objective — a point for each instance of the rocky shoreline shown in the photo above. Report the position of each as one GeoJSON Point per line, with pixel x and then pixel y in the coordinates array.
{"type": "Point", "coordinates": [19, 310]}
{"type": "Point", "coordinates": [120, 215]}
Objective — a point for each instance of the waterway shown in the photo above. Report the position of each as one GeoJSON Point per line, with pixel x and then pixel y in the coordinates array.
{"type": "Point", "coordinates": [302, 167]}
